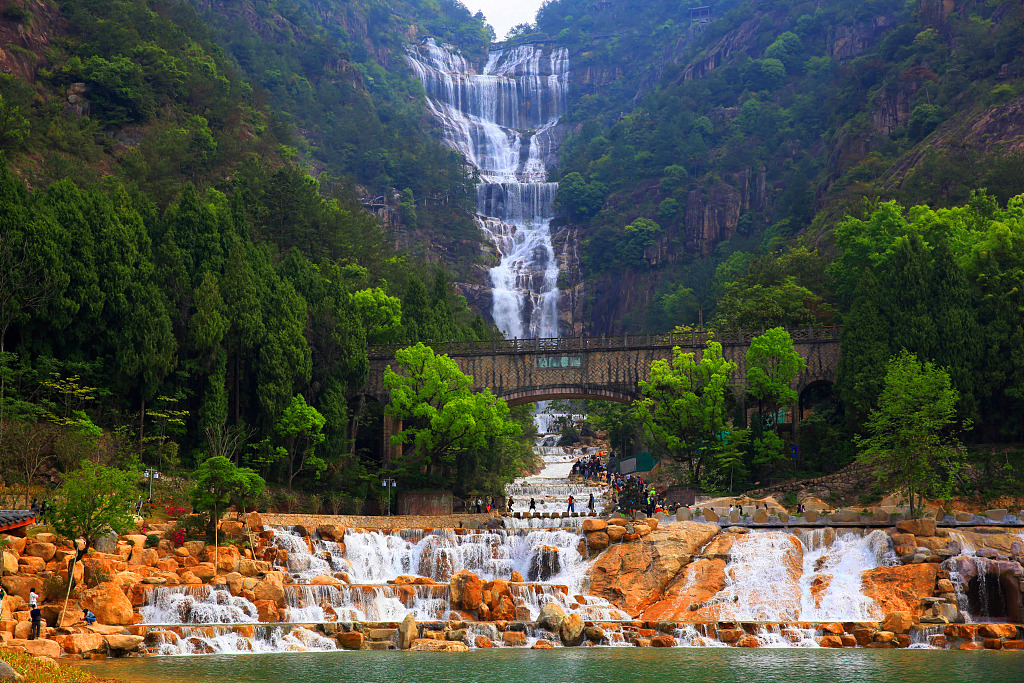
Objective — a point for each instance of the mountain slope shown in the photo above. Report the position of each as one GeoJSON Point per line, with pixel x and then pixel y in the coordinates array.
{"type": "Point", "coordinates": [760, 127]}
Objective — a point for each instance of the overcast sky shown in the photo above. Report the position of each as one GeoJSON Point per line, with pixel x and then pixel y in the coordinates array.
{"type": "Point", "coordinates": [504, 14]}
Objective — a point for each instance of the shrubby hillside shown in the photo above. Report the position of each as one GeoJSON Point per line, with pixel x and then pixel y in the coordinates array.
{"type": "Point", "coordinates": [701, 145]}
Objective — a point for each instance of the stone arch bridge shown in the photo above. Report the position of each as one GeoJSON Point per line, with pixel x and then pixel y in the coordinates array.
{"type": "Point", "coordinates": [603, 368]}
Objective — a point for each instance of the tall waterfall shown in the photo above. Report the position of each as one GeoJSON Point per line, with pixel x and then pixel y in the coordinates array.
{"type": "Point", "coordinates": [503, 120]}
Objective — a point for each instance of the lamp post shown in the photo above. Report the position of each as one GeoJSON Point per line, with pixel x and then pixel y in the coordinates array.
{"type": "Point", "coordinates": [388, 483]}
{"type": "Point", "coordinates": [152, 474]}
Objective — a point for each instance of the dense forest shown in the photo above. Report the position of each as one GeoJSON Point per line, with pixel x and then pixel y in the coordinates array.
{"type": "Point", "coordinates": [176, 283]}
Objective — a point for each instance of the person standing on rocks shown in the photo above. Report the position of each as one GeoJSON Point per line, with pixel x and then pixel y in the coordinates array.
{"type": "Point", "coordinates": [32, 598]}
{"type": "Point", "coordinates": [572, 504]}
{"type": "Point", "coordinates": [511, 502]}
{"type": "Point", "coordinates": [533, 505]}
{"type": "Point", "coordinates": [37, 622]}
{"type": "Point", "coordinates": [590, 504]}
{"type": "Point", "coordinates": [479, 503]}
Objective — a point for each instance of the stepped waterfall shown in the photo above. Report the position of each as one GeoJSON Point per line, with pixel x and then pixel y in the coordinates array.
{"type": "Point", "coordinates": [503, 118]}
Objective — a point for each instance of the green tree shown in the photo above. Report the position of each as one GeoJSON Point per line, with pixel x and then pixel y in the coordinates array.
{"type": "Point", "coordinates": [909, 441]}
{"type": "Point", "coordinates": [284, 363]}
{"type": "Point", "coordinates": [93, 501]}
{"type": "Point", "coordinates": [220, 484]}
{"type": "Point", "coordinates": [637, 236]}
{"type": "Point", "coordinates": [380, 314]}
{"type": "Point", "coordinates": [301, 431]}
{"type": "Point", "coordinates": [441, 417]}
{"type": "Point", "coordinates": [772, 365]}
{"type": "Point", "coordinates": [684, 407]}
{"type": "Point", "coordinates": [746, 305]}
{"type": "Point", "coordinates": [208, 327]}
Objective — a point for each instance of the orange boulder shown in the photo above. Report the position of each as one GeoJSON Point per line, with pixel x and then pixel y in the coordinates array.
{"type": "Point", "coordinates": [900, 589]}
{"type": "Point", "coordinates": [632, 576]}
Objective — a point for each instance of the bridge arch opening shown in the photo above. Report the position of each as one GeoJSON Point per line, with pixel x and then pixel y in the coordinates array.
{"type": "Point", "coordinates": [535, 395]}
{"type": "Point", "coordinates": [814, 395]}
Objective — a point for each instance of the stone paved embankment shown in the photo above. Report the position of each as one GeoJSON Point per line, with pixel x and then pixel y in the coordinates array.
{"type": "Point", "coordinates": [380, 522]}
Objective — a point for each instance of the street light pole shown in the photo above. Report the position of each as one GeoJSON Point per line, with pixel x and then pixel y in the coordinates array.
{"type": "Point", "coordinates": [150, 473]}
{"type": "Point", "coordinates": [388, 483]}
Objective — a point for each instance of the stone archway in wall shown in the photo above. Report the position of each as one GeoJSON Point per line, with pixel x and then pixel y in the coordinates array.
{"type": "Point", "coordinates": [812, 392]}
{"type": "Point", "coordinates": [516, 398]}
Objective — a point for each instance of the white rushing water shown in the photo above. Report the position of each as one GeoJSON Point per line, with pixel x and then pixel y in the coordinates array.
{"type": "Point", "coordinates": [503, 118]}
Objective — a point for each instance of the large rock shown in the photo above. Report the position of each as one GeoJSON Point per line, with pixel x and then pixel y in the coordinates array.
{"type": "Point", "coordinates": [124, 643]}
{"type": "Point", "coordinates": [45, 551]}
{"type": "Point", "coordinates": [407, 632]}
{"type": "Point", "coordinates": [9, 565]}
{"type": "Point", "coordinates": [270, 587]}
{"type": "Point", "coordinates": [900, 589]}
{"type": "Point", "coordinates": [267, 611]}
{"type": "Point", "coordinates": [78, 643]}
{"type": "Point", "coordinates": [7, 673]}
{"type": "Point", "coordinates": [331, 532]}
{"type": "Point", "coordinates": [254, 522]}
{"type": "Point", "coordinates": [108, 603]}
{"type": "Point", "coordinates": [918, 527]}
{"type": "Point", "coordinates": [426, 645]}
{"type": "Point", "coordinates": [40, 647]}
{"type": "Point", "coordinates": [551, 616]}
{"type": "Point", "coordinates": [466, 590]}
{"type": "Point", "coordinates": [633, 575]}
{"type": "Point", "coordinates": [253, 567]}
{"type": "Point", "coordinates": [324, 580]}
{"type": "Point", "coordinates": [897, 622]}
{"type": "Point", "coordinates": [687, 597]}
{"type": "Point", "coordinates": [997, 631]}
{"type": "Point", "coordinates": [225, 558]}
{"type": "Point", "coordinates": [597, 541]}
{"type": "Point", "coordinates": [22, 585]}
{"type": "Point", "coordinates": [594, 525]}
{"type": "Point", "coordinates": [352, 640]}
{"type": "Point", "coordinates": [570, 631]}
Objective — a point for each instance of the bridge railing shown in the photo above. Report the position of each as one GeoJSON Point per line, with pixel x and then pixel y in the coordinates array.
{"type": "Point", "coordinates": [558, 345]}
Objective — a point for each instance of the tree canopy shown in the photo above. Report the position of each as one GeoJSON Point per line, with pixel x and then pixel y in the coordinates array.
{"type": "Point", "coordinates": [220, 484]}
{"type": "Point", "coordinates": [93, 501]}
{"type": "Point", "coordinates": [443, 421]}
{"type": "Point", "coordinates": [908, 439]}
{"type": "Point", "coordinates": [684, 407]}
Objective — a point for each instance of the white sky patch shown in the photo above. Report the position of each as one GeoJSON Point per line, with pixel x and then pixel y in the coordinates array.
{"type": "Point", "coordinates": [504, 14]}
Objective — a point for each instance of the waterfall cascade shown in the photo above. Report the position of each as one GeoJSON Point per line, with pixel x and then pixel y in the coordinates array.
{"type": "Point", "coordinates": [503, 119]}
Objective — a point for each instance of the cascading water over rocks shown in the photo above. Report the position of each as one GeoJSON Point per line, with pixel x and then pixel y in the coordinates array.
{"type": "Point", "coordinates": [503, 119]}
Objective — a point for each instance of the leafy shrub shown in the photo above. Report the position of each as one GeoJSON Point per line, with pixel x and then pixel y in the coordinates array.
{"type": "Point", "coordinates": [17, 12]}
{"type": "Point", "coordinates": [314, 504]}
{"type": "Point", "coordinates": [286, 501]}
{"type": "Point", "coordinates": [790, 500]}
{"type": "Point", "coordinates": [55, 588]}
{"type": "Point", "coordinates": [193, 526]}
{"type": "Point", "coordinates": [152, 540]}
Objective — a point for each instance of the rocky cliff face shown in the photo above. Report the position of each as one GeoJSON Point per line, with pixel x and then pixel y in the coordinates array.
{"type": "Point", "coordinates": [848, 41]}
{"type": "Point", "coordinates": [24, 42]}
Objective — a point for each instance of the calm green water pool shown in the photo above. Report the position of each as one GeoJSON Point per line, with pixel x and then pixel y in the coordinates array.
{"type": "Point", "coordinates": [608, 665]}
